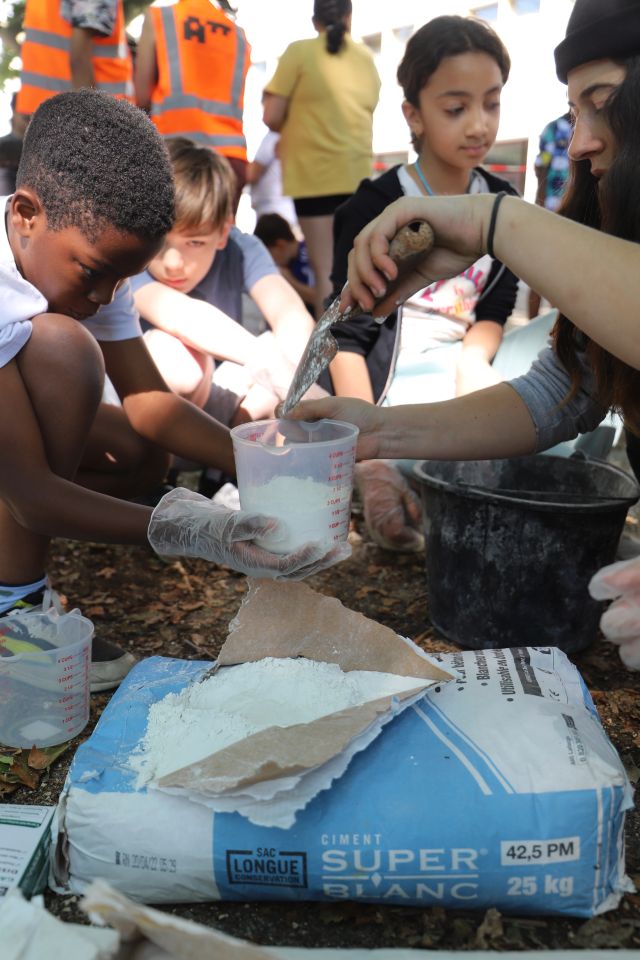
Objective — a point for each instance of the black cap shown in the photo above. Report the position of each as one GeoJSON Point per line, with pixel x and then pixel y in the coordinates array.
{"type": "Point", "coordinates": [599, 30]}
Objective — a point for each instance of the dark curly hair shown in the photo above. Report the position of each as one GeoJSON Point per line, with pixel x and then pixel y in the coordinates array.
{"type": "Point", "coordinates": [96, 161]}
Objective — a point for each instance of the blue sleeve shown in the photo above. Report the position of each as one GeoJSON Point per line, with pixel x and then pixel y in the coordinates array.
{"type": "Point", "coordinates": [256, 259]}
{"type": "Point", "coordinates": [140, 280]}
{"type": "Point", "coordinates": [117, 320]}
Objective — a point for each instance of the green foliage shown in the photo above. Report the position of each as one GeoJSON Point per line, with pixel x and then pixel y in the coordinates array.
{"type": "Point", "coordinates": [10, 26]}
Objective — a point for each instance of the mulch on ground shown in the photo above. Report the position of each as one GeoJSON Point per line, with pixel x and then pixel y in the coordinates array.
{"type": "Point", "coordinates": [183, 608]}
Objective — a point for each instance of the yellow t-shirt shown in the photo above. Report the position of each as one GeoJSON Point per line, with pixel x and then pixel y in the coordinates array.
{"type": "Point", "coordinates": [325, 147]}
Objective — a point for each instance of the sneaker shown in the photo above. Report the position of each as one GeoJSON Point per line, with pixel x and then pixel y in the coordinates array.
{"type": "Point", "coordinates": [109, 663]}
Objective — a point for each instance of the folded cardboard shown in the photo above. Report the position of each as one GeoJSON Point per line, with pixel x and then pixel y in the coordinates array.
{"type": "Point", "coordinates": [272, 774]}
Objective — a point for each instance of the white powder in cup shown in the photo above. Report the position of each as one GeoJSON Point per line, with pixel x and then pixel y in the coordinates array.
{"type": "Point", "coordinates": [305, 506]}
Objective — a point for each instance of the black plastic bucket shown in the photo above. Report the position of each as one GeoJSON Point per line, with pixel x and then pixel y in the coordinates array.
{"type": "Point", "coordinates": [512, 544]}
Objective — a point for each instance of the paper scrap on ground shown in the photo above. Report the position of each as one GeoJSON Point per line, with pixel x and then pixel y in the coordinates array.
{"type": "Point", "coordinates": [181, 939]}
{"type": "Point", "coordinates": [29, 932]}
{"type": "Point", "coordinates": [280, 729]}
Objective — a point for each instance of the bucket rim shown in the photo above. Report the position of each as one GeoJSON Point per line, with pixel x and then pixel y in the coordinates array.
{"type": "Point", "coordinates": [477, 492]}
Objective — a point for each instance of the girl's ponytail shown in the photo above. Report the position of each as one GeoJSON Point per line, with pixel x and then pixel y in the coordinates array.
{"type": "Point", "coordinates": [332, 15]}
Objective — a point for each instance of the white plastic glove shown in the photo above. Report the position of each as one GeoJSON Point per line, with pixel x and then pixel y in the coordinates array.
{"type": "Point", "coordinates": [186, 524]}
{"type": "Point", "coordinates": [392, 511]}
{"type": "Point", "coordinates": [620, 622]}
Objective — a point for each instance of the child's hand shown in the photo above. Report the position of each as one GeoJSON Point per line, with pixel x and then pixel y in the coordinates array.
{"type": "Point", "coordinates": [620, 622]}
{"type": "Point", "coordinates": [187, 524]}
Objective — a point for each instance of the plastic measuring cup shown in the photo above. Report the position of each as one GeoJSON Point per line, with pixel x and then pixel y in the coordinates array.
{"type": "Point", "coordinates": [44, 678]}
{"type": "Point", "coordinates": [301, 473]}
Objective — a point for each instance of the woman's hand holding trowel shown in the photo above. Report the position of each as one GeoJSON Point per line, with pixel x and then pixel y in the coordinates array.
{"type": "Point", "coordinates": [407, 247]}
{"type": "Point", "coordinates": [375, 282]}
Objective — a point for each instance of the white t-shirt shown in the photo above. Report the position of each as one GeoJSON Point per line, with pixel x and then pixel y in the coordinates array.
{"type": "Point", "coordinates": [20, 301]}
{"type": "Point", "coordinates": [449, 305]}
{"type": "Point", "coordinates": [266, 193]}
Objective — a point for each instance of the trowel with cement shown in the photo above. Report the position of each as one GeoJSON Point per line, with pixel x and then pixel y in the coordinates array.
{"type": "Point", "coordinates": [408, 246]}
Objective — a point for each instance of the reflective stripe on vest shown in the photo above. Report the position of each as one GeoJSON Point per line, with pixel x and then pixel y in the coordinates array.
{"type": "Point", "coordinates": [178, 109]}
{"type": "Point", "coordinates": [46, 57]}
{"type": "Point", "coordinates": [54, 40]}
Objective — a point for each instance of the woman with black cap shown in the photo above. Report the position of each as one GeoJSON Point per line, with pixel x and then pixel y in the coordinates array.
{"type": "Point", "coordinates": [587, 263]}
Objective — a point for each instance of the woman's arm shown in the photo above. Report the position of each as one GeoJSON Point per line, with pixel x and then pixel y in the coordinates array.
{"type": "Point", "coordinates": [274, 111]}
{"type": "Point", "coordinates": [479, 347]}
{"type": "Point", "coordinates": [491, 423]}
{"type": "Point", "coordinates": [199, 325]}
{"type": "Point", "coordinates": [591, 277]}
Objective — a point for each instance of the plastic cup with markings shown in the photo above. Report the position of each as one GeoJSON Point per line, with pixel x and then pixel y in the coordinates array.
{"type": "Point", "coordinates": [44, 678]}
{"type": "Point", "coordinates": [301, 473]}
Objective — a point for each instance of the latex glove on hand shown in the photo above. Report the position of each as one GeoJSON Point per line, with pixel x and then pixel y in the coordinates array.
{"type": "Point", "coordinates": [620, 622]}
{"type": "Point", "coordinates": [186, 524]}
{"type": "Point", "coordinates": [392, 511]}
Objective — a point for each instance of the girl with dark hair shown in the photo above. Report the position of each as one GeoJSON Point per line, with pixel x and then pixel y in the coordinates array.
{"type": "Point", "coordinates": [443, 340]}
{"type": "Point", "coordinates": [587, 263]}
{"type": "Point", "coordinates": [321, 98]}
{"type": "Point", "coordinates": [451, 74]}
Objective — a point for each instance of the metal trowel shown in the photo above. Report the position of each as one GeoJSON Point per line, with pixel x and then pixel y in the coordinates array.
{"type": "Point", "coordinates": [408, 246]}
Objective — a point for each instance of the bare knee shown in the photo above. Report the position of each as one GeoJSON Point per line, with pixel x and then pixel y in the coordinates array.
{"type": "Point", "coordinates": [63, 370]}
{"type": "Point", "coordinates": [62, 359]}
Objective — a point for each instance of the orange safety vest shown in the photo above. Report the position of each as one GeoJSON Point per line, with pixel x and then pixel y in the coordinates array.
{"type": "Point", "coordinates": [46, 66]}
{"type": "Point", "coordinates": [203, 59]}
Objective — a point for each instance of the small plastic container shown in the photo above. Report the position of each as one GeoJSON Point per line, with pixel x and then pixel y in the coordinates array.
{"type": "Point", "coordinates": [44, 678]}
{"type": "Point", "coordinates": [301, 473]}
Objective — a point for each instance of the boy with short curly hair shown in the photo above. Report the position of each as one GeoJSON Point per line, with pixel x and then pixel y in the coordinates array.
{"type": "Point", "coordinates": [93, 202]}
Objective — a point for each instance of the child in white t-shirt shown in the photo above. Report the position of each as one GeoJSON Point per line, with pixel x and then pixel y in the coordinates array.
{"type": "Point", "coordinates": [94, 200]}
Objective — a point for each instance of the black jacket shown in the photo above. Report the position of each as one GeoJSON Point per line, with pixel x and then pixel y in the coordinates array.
{"type": "Point", "coordinates": [378, 343]}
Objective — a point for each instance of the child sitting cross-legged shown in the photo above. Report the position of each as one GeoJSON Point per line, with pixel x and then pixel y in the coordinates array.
{"type": "Point", "coordinates": [190, 299]}
{"type": "Point", "coordinates": [93, 203]}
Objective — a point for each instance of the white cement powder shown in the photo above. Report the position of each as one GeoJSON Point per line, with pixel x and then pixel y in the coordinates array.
{"type": "Point", "coordinates": [301, 503]}
{"type": "Point", "coordinates": [238, 701]}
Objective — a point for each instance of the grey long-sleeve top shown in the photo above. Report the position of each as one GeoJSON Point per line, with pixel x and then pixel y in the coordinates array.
{"type": "Point", "coordinates": [543, 389]}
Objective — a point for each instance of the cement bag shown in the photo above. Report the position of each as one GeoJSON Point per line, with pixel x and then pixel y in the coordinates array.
{"type": "Point", "coordinates": [497, 789]}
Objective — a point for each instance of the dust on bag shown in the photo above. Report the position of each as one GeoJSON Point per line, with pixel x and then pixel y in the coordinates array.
{"type": "Point", "coordinates": [285, 717]}
{"type": "Point", "coordinates": [499, 788]}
